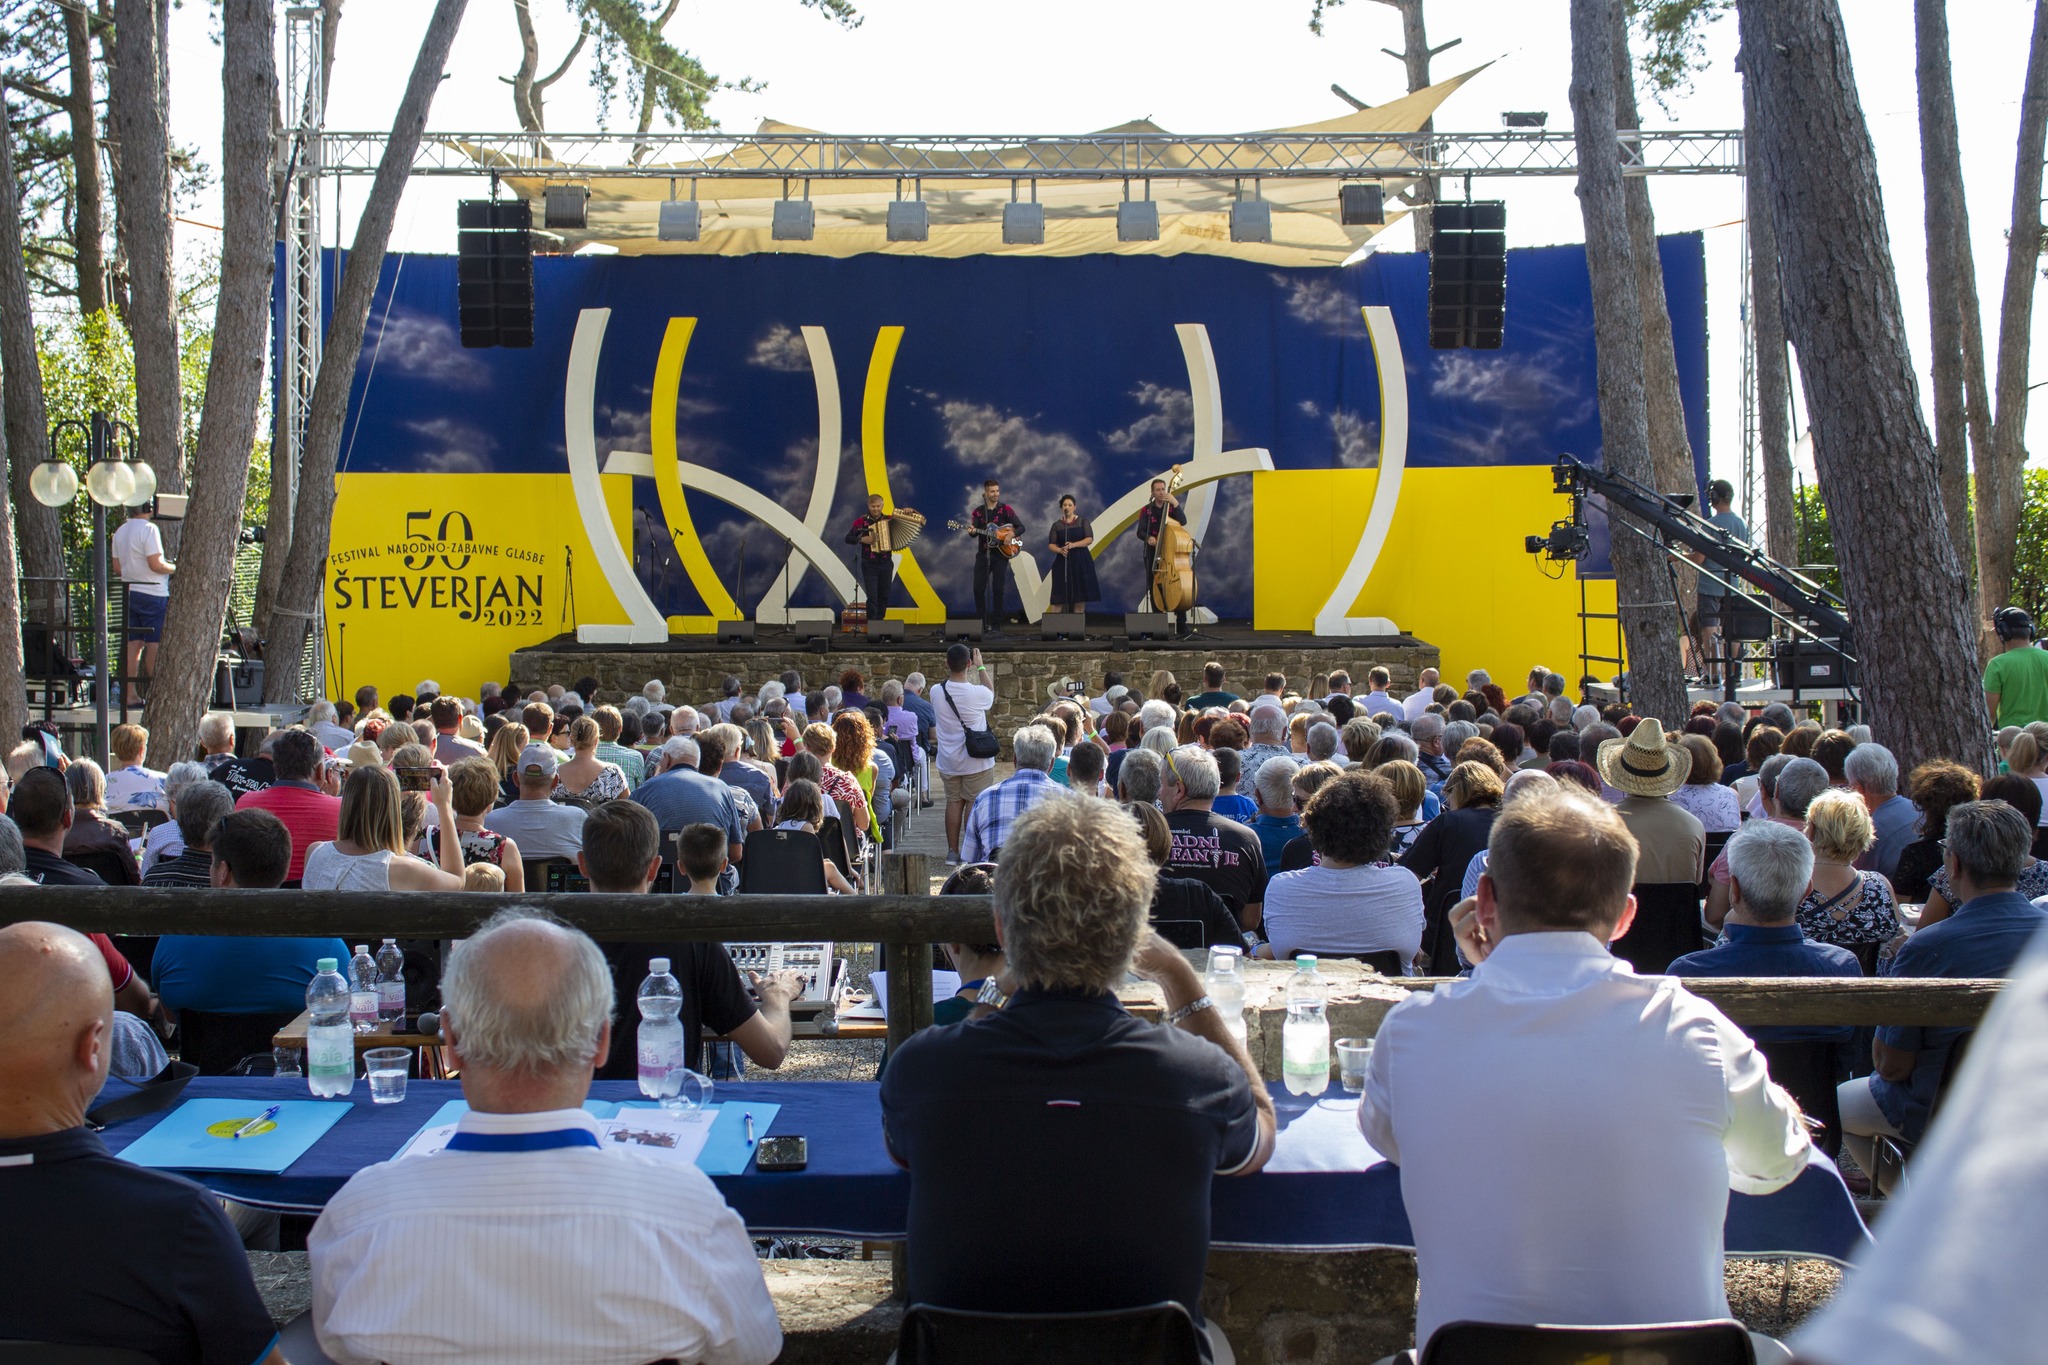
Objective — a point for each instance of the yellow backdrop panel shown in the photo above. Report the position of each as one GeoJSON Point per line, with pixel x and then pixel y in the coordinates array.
{"type": "Point", "coordinates": [442, 576]}
{"type": "Point", "coordinates": [1452, 573]}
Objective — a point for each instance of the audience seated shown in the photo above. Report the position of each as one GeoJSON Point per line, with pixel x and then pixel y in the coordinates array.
{"type": "Point", "coordinates": [93, 840]}
{"type": "Point", "coordinates": [1183, 898]}
{"type": "Point", "coordinates": [368, 852]}
{"type": "Point", "coordinates": [1604, 1082]}
{"type": "Point", "coordinates": [2023, 796]}
{"type": "Point", "coordinates": [200, 808]}
{"type": "Point", "coordinates": [1786, 786]}
{"type": "Point", "coordinates": [1349, 901]}
{"type": "Point", "coordinates": [996, 809]}
{"type": "Point", "coordinates": [678, 796]}
{"type": "Point", "coordinates": [242, 974]}
{"type": "Point", "coordinates": [1844, 906]}
{"type": "Point", "coordinates": [1769, 869]}
{"type": "Point", "coordinates": [1143, 1115]}
{"type": "Point", "coordinates": [1702, 792]}
{"type": "Point", "coordinates": [1438, 856]}
{"type": "Point", "coordinates": [1647, 769]}
{"type": "Point", "coordinates": [1936, 787]}
{"type": "Point", "coordinates": [621, 853]}
{"type": "Point", "coordinates": [605, 1254]}
{"type": "Point", "coordinates": [130, 784]}
{"type": "Point", "coordinates": [472, 792]}
{"type": "Point", "coordinates": [303, 792]}
{"type": "Point", "coordinates": [107, 1254]}
{"type": "Point", "coordinates": [1220, 853]}
{"type": "Point", "coordinates": [1872, 773]}
{"type": "Point", "coordinates": [540, 825]}
{"type": "Point", "coordinates": [1986, 848]}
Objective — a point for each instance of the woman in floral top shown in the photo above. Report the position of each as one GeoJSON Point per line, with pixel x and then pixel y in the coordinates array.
{"type": "Point", "coordinates": [2021, 794]}
{"type": "Point", "coordinates": [473, 788]}
{"type": "Point", "coordinates": [587, 777]}
{"type": "Point", "coordinates": [1844, 907]}
{"type": "Point", "coordinates": [840, 785]}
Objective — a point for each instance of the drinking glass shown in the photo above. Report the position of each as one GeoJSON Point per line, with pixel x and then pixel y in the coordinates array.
{"type": "Point", "coordinates": [386, 1068]}
{"type": "Point", "coordinates": [284, 1061]}
{"type": "Point", "coordinates": [693, 1092]}
{"type": "Point", "coordinates": [1354, 1058]}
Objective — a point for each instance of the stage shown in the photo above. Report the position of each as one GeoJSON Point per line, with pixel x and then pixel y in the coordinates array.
{"type": "Point", "coordinates": [1021, 664]}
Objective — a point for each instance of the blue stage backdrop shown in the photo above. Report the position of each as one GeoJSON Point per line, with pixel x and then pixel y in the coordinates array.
{"type": "Point", "coordinates": [1056, 376]}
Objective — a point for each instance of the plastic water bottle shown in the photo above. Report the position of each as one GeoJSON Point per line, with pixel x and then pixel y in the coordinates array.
{"type": "Point", "coordinates": [1305, 1037]}
{"type": "Point", "coordinates": [661, 1033]}
{"type": "Point", "coordinates": [330, 1042]}
{"type": "Point", "coordinates": [390, 982]}
{"type": "Point", "coordinates": [1224, 982]}
{"type": "Point", "coordinates": [362, 990]}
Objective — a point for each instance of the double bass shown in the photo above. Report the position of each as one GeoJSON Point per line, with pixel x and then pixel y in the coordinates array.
{"type": "Point", "coordinates": [1173, 563]}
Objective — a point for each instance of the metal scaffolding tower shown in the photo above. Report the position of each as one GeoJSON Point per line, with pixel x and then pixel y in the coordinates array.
{"type": "Point", "coordinates": [300, 153]}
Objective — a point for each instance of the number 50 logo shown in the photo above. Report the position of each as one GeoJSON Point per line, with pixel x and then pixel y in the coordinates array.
{"type": "Point", "coordinates": [415, 529]}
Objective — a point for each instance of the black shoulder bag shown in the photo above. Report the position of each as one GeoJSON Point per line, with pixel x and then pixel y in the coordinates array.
{"type": "Point", "coordinates": [981, 743]}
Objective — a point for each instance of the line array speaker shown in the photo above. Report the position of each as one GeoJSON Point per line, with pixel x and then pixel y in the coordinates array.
{"type": "Point", "coordinates": [1468, 275]}
{"type": "Point", "coordinates": [494, 272]}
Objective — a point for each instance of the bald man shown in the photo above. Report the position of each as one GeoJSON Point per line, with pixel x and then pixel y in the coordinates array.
{"type": "Point", "coordinates": [122, 1255]}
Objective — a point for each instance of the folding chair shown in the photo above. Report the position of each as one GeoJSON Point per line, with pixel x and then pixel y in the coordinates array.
{"type": "Point", "coordinates": [1807, 1072]}
{"type": "Point", "coordinates": [1158, 1334]}
{"type": "Point", "coordinates": [1667, 926]}
{"type": "Point", "coordinates": [216, 1043]}
{"type": "Point", "coordinates": [1721, 1342]}
{"type": "Point", "coordinates": [1716, 841]}
{"type": "Point", "coordinates": [140, 822]}
{"type": "Point", "coordinates": [787, 862]}
{"type": "Point", "coordinates": [837, 844]}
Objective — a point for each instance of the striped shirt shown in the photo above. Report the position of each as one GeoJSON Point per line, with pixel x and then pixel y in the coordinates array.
{"type": "Point", "coordinates": [191, 868]}
{"type": "Point", "coordinates": [996, 809]}
{"type": "Point", "coordinates": [570, 1253]}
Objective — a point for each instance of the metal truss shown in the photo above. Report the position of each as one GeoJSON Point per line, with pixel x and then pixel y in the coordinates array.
{"type": "Point", "coordinates": [1143, 156]}
{"type": "Point", "coordinates": [300, 154]}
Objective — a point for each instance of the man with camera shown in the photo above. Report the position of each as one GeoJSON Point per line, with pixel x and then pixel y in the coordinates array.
{"type": "Point", "coordinates": [962, 704]}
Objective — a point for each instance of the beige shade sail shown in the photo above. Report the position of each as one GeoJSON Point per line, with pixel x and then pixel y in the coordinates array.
{"type": "Point", "coordinates": [1194, 182]}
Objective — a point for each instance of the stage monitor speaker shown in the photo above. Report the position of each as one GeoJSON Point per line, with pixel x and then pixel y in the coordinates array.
{"type": "Point", "coordinates": [735, 632]}
{"type": "Point", "coordinates": [957, 629]}
{"type": "Point", "coordinates": [1147, 625]}
{"type": "Point", "coordinates": [805, 632]}
{"type": "Point", "coordinates": [1063, 625]}
{"type": "Point", "coordinates": [885, 630]}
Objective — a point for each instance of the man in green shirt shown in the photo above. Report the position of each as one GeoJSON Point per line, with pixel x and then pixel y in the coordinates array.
{"type": "Point", "coordinates": [1212, 693]}
{"type": "Point", "coordinates": [2016, 681]}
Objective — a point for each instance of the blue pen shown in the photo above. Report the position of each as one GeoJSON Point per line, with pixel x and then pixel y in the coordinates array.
{"type": "Point", "coordinates": [257, 1122]}
{"type": "Point", "coordinates": [750, 1128]}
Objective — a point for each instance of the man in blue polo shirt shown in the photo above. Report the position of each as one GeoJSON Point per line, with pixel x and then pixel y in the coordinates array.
{"type": "Point", "coordinates": [102, 1253]}
{"type": "Point", "coordinates": [1769, 867]}
{"type": "Point", "coordinates": [1986, 849]}
{"type": "Point", "coordinates": [1063, 1101]}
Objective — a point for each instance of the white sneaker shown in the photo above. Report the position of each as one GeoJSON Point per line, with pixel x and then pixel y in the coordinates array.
{"type": "Point", "coordinates": [953, 857]}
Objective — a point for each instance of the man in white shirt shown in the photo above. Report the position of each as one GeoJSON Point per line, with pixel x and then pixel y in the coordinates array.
{"type": "Point", "coordinates": [1416, 702]}
{"type": "Point", "coordinates": [962, 704]}
{"type": "Point", "coordinates": [1567, 1131]}
{"type": "Point", "coordinates": [1377, 702]}
{"type": "Point", "coordinates": [526, 1240]}
{"type": "Point", "coordinates": [541, 826]}
{"type": "Point", "coordinates": [138, 554]}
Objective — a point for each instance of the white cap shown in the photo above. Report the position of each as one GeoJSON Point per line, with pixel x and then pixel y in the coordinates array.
{"type": "Point", "coordinates": [657, 966]}
{"type": "Point", "coordinates": [362, 947]}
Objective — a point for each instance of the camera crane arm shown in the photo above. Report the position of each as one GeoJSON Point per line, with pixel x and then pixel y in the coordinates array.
{"type": "Point", "coordinates": [1798, 592]}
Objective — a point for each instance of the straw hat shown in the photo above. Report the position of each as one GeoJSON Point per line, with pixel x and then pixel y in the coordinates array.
{"type": "Point", "coordinates": [1643, 764]}
{"type": "Point", "coordinates": [1065, 690]}
{"type": "Point", "coordinates": [363, 754]}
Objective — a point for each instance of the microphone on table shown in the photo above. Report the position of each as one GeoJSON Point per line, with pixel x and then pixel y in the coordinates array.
{"type": "Point", "coordinates": [429, 1024]}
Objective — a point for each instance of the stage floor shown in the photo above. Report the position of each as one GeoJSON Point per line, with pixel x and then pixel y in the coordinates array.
{"type": "Point", "coordinates": [1105, 633]}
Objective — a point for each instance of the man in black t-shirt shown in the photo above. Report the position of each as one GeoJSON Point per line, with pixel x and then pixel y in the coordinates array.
{"type": "Point", "coordinates": [1222, 854]}
{"type": "Point", "coordinates": [102, 1253]}
{"type": "Point", "coordinates": [622, 853]}
{"type": "Point", "coordinates": [991, 568]}
{"type": "Point", "coordinates": [1060, 1099]}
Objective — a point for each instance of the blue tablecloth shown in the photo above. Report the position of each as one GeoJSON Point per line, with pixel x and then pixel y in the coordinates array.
{"type": "Point", "coordinates": [1324, 1190]}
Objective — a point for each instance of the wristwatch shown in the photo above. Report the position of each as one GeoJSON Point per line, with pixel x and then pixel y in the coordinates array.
{"type": "Point", "coordinates": [991, 994]}
{"type": "Point", "coordinates": [1194, 1006]}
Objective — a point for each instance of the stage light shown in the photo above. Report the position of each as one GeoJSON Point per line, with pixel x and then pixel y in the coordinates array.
{"type": "Point", "coordinates": [1361, 205]}
{"type": "Point", "coordinates": [110, 483]}
{"type": "Point", "coordinates": [566, 206]}
{"type": "Point", "coordinates": [795, 221]}
{"type": "Point", "coordinates": [54, 483]}
{"type": "Point", "coordinates": [679, 220]}
{"type": "Point", "coordinates": [1251, 220]}
{"type": "Point", "coordinates": [145, 482]}
{"type": "Point", "coordinates": [1137, 220]}
{"type": "Point", "coordinates": [1023, 224]}
{"type": "Point", "coordinates": [909, 221]}
{"type": "Point", "coordinates": [1525, 118]}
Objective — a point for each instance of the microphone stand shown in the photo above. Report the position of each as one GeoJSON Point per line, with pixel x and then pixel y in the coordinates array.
{"type": "Point", "coordinates": [568, 587]}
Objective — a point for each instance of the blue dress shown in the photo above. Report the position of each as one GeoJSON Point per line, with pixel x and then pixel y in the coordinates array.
{"type": "Point", "coordinates": [1073, 575]}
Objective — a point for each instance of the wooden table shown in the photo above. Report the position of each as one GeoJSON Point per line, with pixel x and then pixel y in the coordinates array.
{"type": "Point", "coordinates": [293, 1035]}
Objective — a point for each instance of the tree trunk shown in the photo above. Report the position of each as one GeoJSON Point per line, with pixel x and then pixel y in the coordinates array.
{"type": "Point", "coordinates": [1649, 618]}
{"type": "Point", "coordinates": [117, 263]}
{"type": "Point", "coordinates": [1414, 57]}
{"type": "Point", "coordinates": [1947, 220]}
{"type": "Point", "coordinates": [2001, 490]}
{"type": "Point", "coordinates": [36, 527]}
{"type": "Point", "coordinates": [305, 571]}
{"type": "Point", "coordinates": [1906, 590]}
{"type": "Point", "coordinates": [88, 232]}
{"type": "Point", "coordinates": [1670, 447]}
{"type": "Point", "coordinates": [13, 698]}
{"type": "Point", "coordinates": [142, 201]}
{"type": "Point", "coordinates": [234, 384]}
{"type": "Point", "coordinates": [1767, 322]}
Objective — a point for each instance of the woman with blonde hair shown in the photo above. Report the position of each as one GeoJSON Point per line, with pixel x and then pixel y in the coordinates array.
{"type": "Point", "coordinates": [1161, 680]}
{"type": "Point", "coordinates": [1843, 906]}
{"type": "Point", "coordinates": [2028, 757]}
{"type": "Point", "coordinates": [368, 852]}
{"type": "Point", "coordinates": [504, 756]}
{"type": "Point", "coordinates": [1438, 856]}
{"type": "Point", "coordinates": [1409, 788]}
{"type": "Point", "coordinates": [586, 777]}
{"type": "Point", "coordinates": [473, 785]}
{"type": "Point", "coordinates": [763, 749]}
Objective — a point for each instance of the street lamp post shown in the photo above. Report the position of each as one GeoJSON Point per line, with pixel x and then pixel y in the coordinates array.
{"type": "Point", "coordinates": [110, 481]}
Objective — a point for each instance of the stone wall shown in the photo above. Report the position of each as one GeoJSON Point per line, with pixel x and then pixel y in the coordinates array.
{"type": "Point", "coordinates": [1020, 676]}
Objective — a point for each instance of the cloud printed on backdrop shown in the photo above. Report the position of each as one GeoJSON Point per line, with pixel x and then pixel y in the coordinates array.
{"type": "Point", "coordinates": [1056, 376]}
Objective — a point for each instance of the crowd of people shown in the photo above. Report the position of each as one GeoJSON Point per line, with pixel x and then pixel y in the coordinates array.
{"type": "Point", "coordinates": [1505, 841]}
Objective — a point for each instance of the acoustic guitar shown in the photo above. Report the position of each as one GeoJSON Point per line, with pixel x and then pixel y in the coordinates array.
{"type": "Point", "coordinates": [1001, 539]}
{"type": "Point", "coordinates": [1173, 565]}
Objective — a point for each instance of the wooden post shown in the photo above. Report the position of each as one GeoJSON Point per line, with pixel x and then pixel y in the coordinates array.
{"type": "Point", "coordinates": [910, 957]}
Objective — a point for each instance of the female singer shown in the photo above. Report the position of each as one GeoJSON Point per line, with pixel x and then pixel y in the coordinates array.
{"type": "Point", "coordinates": [1073, 567]}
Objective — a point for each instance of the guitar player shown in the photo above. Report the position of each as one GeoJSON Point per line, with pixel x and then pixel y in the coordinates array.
{"type": "Point", "coordinates": [991, 569]}
{"type": "Point", "coordinates": [1151, 518]}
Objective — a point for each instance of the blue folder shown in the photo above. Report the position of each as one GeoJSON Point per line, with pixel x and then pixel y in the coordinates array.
{"type": "Point", "coordinates": [196, 1136]}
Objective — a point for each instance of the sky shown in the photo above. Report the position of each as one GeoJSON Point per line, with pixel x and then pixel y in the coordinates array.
{"type": "Point", "coordinates": [1193, 66]}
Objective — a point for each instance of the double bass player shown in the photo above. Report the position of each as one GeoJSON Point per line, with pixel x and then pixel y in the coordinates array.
{"type": "Point", "coordinates": [1152, 520]}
